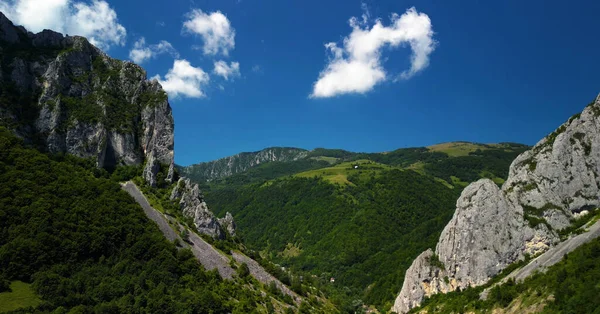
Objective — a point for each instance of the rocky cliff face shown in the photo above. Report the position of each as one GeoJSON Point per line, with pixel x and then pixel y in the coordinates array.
{"type": "Point", "coordinates": [191, 203]}
{"type": "Point", "coordinates": [67, 96]}
{"type": "Point", "coordinates": [492, 227]}
{"type": "Point", "coordinates": [224, 167]}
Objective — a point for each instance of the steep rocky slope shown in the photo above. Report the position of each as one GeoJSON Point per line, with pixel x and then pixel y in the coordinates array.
{"type": "Point", "coordinates": [492, 228]}
{"type": "Point", "coordinates": [66, 96]}
{"type": "Point", "coordinates": [207, 171]}
{"type": "Point", "coordinates": [192, 204]}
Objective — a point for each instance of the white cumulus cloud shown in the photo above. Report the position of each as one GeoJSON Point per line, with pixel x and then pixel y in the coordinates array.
{"type": "Point", "coordinates": [95, 20]}
{"type": "Point", "coordinates": [184, 80]}
{"type": "Point", "coordinates": [356, 66]}
{"type": "Point", "coordinates": [215, 30]}
{"type": "Point", "coordinates": [141, 52]}
{"type": "Point", "coordinates": [227, 71]}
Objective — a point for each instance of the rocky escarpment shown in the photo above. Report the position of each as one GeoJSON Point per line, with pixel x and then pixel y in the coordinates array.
{"type": "Point", "coordinates": [67, 96]}
{"type": "Point", "coordinates": [547, 186]}
{"type": "Point", "coordinates": [241, 162]}
{"type": "Point", "coordinates": [192, 204]}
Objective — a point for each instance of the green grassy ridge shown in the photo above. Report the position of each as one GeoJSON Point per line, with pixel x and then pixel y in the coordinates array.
{"type": "Point", "coordinates": [265, 172]}
{"type": "Point", "coordinates": [365, 234]}
{"type": "Point", "coordinates": [474, 162]}
{"type": "Point", "coordinates": [338, 173]}
{"type": "Point", "coordinates": [482, 161]}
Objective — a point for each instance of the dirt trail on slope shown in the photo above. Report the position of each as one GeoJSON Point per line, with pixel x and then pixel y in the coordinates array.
{"type": "Point", "coordinates": [204, 252]}
{"type": "Point", "coordinates": [208, 256]}
{"type": "Point", "coordinates": [551, 257]}
{"type": "Point", "coordinates": [555, 254]}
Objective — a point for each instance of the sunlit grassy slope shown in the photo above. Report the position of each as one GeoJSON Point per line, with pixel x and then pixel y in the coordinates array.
{"type": "Point", "coordinates": [339, 173]}
{"type": "Point", "coordinates": [21, 296]}
{"type": "Point", "coordinates": [456, 149]}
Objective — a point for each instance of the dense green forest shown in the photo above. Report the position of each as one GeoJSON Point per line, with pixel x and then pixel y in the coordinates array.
{"type": "Point", "coordinates": [365, 234]}
{"type": "Point", "coordinates": [571, 286]}
{"type": "Point", "coordinates": [86, 246]}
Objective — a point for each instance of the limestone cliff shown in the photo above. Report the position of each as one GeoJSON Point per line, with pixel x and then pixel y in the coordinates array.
{"type": "Point", "coordinates": [192, 204]}
{"type": "Point", "coordinates": [207, 171]}
{"type": "Point", "coordinates": [493, 227]}
{"type": "Point", "coordinates": [66, 96]}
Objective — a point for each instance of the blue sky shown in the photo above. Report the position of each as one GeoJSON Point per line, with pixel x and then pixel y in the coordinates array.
{"type": "Point", "coordinates": [485, 71]}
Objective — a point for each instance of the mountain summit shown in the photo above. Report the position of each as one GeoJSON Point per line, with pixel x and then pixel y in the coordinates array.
{"type": "Point", "coordinates": [67, 96]}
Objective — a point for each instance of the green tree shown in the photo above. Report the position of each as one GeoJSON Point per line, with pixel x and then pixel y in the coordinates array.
{"type": "Point", "coordinates": [243, 271]}
{"type": "Point", "coordinates": [185, 235]}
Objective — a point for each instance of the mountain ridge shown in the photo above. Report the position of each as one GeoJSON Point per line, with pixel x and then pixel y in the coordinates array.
{"type": "Point", "coordinates": [239, 163]}
{"type": "Point", "coordinates": [494, 227]}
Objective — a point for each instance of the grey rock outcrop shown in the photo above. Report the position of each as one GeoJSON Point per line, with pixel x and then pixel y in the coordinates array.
{"type": "Point", "coordinates": [422, 279]}
{"type": "Point", "coordinates": [228, 223]}
{"type": "Point", "coordinates": [494, 227]}
{"type": "Point", "coordinates": [485, 235]}
{"type": "Point", "coordinates": [192, 204]}
{"type": "Point", "coordinates": [67, 96]}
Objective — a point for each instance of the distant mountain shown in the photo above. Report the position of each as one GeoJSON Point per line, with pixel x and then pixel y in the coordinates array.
{"type": "Point", "coordinates": [208, 171]}
{"type": "Point", "coordinates": [457, 163]}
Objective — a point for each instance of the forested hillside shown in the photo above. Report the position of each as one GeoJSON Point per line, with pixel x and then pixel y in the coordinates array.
{"type": "Point", "coordinates": [359, 218]}
{"type": "Point", "coordinates": [364, 234]}
{"type": "Point", "coordinates": [83, 244]}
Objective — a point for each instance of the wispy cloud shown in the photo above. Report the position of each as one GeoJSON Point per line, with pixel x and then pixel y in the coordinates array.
{"type": "Point", "coordinates": [184, 80]}
{"type": "Point", "coordinates": [225, 70]}
{"type": "Point", "coordinates": [257, 69]}
{"type": "Point", "coordinates": [356, 67]}
{"type": "Point", "coordinates": [215, 29]}
{"type": "Point", "coordinates": [141, 52]}
{"type": "Point", "coordinates": [95, 20]}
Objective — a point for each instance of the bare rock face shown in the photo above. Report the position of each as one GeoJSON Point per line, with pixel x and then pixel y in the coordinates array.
{"type": "Point", "coordinates": [485, 235]}
{"type": "Point", "coordinates": [492, 227]}
{"type": "Point", "coordinates": [422, 279]}
{"type": "Point", "coordinates": [66, 96]}
{"type": "Point", "coordinates": [559, 176]}
{"type": "Point", "coordinates": [192, 204]}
